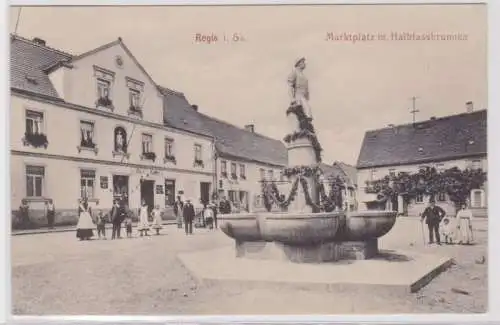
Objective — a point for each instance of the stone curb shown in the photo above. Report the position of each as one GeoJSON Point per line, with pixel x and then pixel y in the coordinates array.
{"type": "Point", "coordinates": [68, 229]}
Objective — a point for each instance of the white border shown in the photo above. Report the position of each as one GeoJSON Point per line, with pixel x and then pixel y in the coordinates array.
{"type": "Point", "coordinates": [493, 177]}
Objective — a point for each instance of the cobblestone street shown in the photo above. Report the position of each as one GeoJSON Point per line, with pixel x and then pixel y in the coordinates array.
{"type": "Point", "coordinates": [56, 274]}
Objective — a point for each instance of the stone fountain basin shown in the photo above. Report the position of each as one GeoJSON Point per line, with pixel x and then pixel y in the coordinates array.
{"type": "Point", "coordinates": [300, 228]}
{"type": "Point", "coordinates": [240, 226]}
{"type": "Point", "coordinates": [365, 225]}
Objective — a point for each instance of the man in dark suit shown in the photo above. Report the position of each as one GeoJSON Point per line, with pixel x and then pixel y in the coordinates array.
{"type": "Point", "coordinates": [188, 216]}
{"type": "Point", "coordinates": [433, 215]}
{"type": "Point", "coordinates": [115, 220]}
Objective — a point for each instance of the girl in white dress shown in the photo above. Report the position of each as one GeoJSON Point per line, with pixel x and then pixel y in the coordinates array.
{"type": "Point", "coordinates": [464, 218]}
{"type": "Point", "coordinates": [143, 225]}
{"type": "Point", "coordinates": [157, 219]}
{"type": "Point", "coordinates": [85, 225]}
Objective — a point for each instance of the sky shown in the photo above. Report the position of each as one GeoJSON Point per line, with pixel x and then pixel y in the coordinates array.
{"type": "Point", "coordinates": [354, 86]}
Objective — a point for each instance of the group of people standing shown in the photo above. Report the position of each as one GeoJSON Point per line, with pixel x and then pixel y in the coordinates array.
{"type": "Point", "coordinates": [453, 229]}
{"type": "Point", "coordinates": [118, 215]}
{"type": "Point", "coordinates": [185, 213]}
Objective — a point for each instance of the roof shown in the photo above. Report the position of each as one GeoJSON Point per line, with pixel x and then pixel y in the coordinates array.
{"type": "Point", "coordinates": [232, 141]}
{"type": "Point", "coordinates": [27, 62]}
{"type": "Point", "coordinates": [451, 137]}
{"type": "Point", "coordinates": [178, 113]}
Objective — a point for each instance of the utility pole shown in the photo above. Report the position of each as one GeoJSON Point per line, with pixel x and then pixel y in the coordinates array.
{"type": "Point", "coordinates": [17, 21]}
{"type": "Point", "coordinates": [414, 109]}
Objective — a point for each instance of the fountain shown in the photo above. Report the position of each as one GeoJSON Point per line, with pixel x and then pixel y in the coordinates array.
{"type": "Point", "coordinates": [305, 233]}
{"type": "Point", "coordinates": [304, 243]}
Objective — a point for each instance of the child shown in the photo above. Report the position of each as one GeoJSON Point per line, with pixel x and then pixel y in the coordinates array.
{"type": "Point", "coordinates": [128, 226]}
{"type": "Point", "coordinates": [208, 215]}
{"type": "Point", "coordinates": [157, 221]}
{"type": "Point", "coordinates": [447, 230]}
{"type": "Point", "coordinates": [101, 225]}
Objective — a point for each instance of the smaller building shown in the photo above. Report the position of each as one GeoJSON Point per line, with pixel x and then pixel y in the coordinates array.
{"type": "Point", "coordinates": [348, 174]}
{"type": "Point", "coordinates": [441, 143]}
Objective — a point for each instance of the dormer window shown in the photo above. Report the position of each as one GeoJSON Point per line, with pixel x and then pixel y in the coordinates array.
{"type": "Point", "coordinates": [136, 90]}
{"type": "Point", "coordinates": [104, 80]}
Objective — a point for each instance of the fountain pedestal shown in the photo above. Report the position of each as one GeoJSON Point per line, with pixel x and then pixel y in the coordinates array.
{"type": "Point", "coordinates": [358, 250]}
{"type": "Point", "coordinates": [293, 253]}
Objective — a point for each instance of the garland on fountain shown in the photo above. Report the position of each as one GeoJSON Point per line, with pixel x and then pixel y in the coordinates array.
{"type": "Point", "coordinates": [270, 191]}
{"type": "Point", "coordinates": [306, 130]}
{"type": "Point", "coordinates": [307, 171]}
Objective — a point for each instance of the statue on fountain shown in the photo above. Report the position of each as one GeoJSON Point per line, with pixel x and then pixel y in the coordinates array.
{"type": "Point", "coordinates": [305, 229]}
{"type": "Point", "coordinates": [298, 87]}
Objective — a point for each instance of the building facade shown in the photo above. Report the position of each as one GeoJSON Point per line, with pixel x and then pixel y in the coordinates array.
{"type": "Point", "coordinates": [93, 126]}
{"type": "Point", "coordinates": [442, 143]}
{"type": "Point", "coordinates": [244, 159]}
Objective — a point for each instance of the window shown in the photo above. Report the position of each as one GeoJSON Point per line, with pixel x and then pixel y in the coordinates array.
{"type": "Point", "coordinates": [233, 171]}
{"type": "Point", "coordinates": [147, 143]}
{"type": "Point", "coordinates": [373, 175]}
{"type": "Point", "coordinates": [169, 147]}
{"type": "Point", "coordinates": [392, 172]}
{"type": "Point", "coordinates": [243, 174]}
{"type": "Point", "coordinates": [197, 152]}
{"type": "Point", "coordinates": [271, 174]}
{"type": "Point", "coordinates": [223, 168]}
{"type": "Point", "coordinates": [34, 181]}
{"type": "Point", "coordinates": [419, 198]}
{"type": "Point", "coordinates": [282, 176]}
{"type": "Point", "coordinates": [87, 134]}
{"type": "Point", "coordinates": [34, 122]}
{"type": "Point", "coordinates": [477, 164]}
{"type": "Point", "coordinates": [103, 89]}
{"type": "Point", "coordinates": [477, 199]}
{"type": "Point", "coordinates": [135, 99]}
{"type": "Point", "coordinates": [262, 173]}
{"type": "Point", "coordinates": [87, 183]}
{"type": "Point", "coordinates": [441, 197]}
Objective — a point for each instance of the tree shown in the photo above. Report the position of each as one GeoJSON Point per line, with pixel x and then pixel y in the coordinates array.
{"type": "Point", "coordinates": [428, 181]}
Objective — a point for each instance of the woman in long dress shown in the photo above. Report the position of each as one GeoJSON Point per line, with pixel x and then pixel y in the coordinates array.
{"type": "Point", "coordinates": [143, 225]}
{"type": "Point", "coordinates": [464, 218]}
{"type": "Point", "coordinates": [85, 225]}
{"type": "Point", "coordinates": [157, 221]}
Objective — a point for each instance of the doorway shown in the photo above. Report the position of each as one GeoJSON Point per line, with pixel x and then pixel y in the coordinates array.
{"type": "Point", "coordinates": [205, 192]}
{"type": "Point", "coordinates": [147, 193]}
{"type": "Point", "coordinates": [120, 188]}
{"type": "Point", "coordinates": [169, 192]}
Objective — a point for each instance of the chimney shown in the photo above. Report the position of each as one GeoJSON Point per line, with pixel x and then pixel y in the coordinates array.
{"type": "Point", "coordinates": [39, 41]}
{"type": "Point", "coordinates": [195, 107]}
{"type": "Point", "coordinates": [469, 106]}
{"type": "Point", "coordinates": [250, 128]}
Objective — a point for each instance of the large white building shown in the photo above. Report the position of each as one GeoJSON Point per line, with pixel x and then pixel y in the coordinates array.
{"type": "Point", "coordinates": [97, 125]}
{"type": "Point", "coordinates": [442, 143]}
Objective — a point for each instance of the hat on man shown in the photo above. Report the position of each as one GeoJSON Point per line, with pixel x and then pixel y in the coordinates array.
{"type": "Point", "coordinates": [299, 60]}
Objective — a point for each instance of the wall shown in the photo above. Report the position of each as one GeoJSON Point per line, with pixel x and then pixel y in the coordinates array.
{"type": "Point", "coordinates": [415, 208]}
